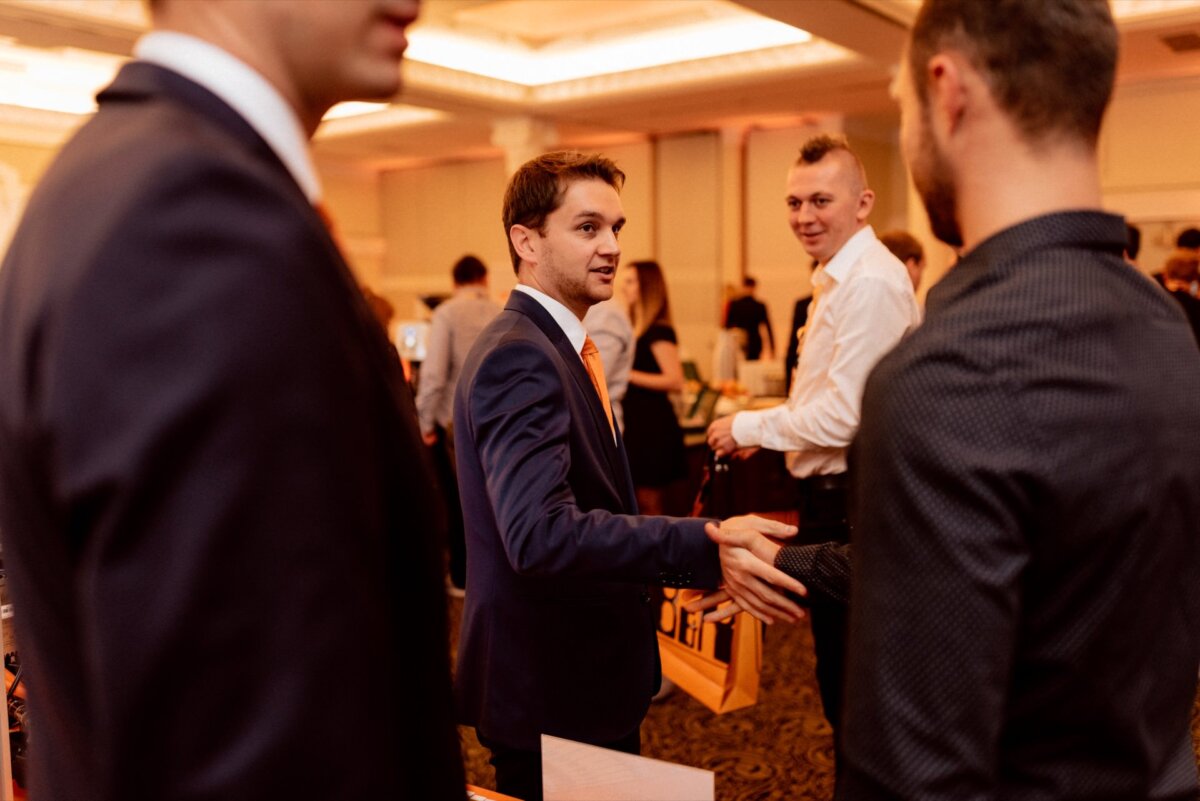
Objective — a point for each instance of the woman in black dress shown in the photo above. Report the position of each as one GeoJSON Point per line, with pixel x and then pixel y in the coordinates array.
{"type": "Point", "coordinates": [653, 438]}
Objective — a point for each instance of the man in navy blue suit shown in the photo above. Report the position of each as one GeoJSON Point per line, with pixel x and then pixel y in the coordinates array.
{"type": "Point", "coordinates": [558, 629]}
{"type": "Point", "coordinates": [216, 517]}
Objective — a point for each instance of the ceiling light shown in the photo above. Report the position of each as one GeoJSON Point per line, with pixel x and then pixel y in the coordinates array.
{"type": "Point", "coordinates": [575, 60]}
{"type": "Point", "coordinates": [64, 80]}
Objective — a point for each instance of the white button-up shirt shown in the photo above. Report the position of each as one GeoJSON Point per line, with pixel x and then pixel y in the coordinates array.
{"type": "Point", "coordinates": [864, 304]}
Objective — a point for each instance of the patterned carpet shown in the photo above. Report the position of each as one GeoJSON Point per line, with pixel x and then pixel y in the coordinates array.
{"type": "Point", "coordinates": [777, 750]}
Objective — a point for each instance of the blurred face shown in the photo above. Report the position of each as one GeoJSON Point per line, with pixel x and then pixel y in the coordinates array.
{"type": "Point", "coordinates": [575, 256]}
{"type": "Point", "coordinates": [931, 174]}
{"type": "Point", "coordinates": [335, 50]}
{"type": "Point", "coordinates": [827, 204]}
{"type": "Point", "coordinates": [630, 288]}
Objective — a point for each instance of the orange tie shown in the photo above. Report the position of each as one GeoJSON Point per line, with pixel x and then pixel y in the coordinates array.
{"type": "Point", "coordinates": [595, 369]}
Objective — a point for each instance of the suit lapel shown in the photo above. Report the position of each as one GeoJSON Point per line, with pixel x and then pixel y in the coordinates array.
{"type": "Point", "coordinates": [140, 81]}
{"type": "Point", "coordinates": [522, 303]}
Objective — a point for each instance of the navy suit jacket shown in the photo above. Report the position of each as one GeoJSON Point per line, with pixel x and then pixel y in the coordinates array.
{"type": "Point", "coordinates": [215, 513]}
{"type": "Point", "coordinates": [558, 632]}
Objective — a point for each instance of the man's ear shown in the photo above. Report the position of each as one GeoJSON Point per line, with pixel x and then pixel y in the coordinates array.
{"type": "Point", "coordinates": [524, 242]}
{"type": "Point", "coordinates": [947, 81]}
{"type": "Point", "coordinates": [866, 202]}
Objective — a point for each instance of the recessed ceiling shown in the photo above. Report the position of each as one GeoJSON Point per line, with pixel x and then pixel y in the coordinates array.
{"type": "Point", "coordinates": [450, 111]}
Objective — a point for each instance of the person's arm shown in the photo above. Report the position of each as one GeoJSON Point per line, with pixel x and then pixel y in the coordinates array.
{"type": "Point", "coordinates": [872, 315]}
{"type": "Point", "coordinates": [939, 566]}
{"type": "Point", "coordinates": [431, 388]}
{"type": "Point", "coordinates": [520, 389]}
{"type": "Point", "coordinates": [666, 353]}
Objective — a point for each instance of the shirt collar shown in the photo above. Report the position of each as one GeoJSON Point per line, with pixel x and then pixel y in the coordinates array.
{"type": "Point", "coordinates": [568, 322]}
{"type": "Point", "coordinates": [244, 90]}
{"type": "Point", "coordinates": [849, 253]}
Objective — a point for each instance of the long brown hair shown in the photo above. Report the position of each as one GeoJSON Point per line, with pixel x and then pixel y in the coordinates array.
{"type": "Point", "coordinates": [652, 307]}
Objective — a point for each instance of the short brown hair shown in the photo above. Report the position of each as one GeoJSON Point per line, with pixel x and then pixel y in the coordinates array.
{"type": "Point", "coordinates": [537, 188]}
{"type": "Point", "coordinates": [1049, 64]}
{"type": "Point", "coordinates": [821, 145]}
{"type": "Point", "coordinates": [903, 245]}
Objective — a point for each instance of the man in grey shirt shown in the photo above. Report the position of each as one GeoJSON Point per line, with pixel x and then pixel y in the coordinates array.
{"type": "Point", "coordinates": [456, 324]}
{"type": "Point", "coordinates": [608, 325]}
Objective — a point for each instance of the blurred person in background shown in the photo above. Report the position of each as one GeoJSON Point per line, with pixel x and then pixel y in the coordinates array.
{"type": "Point", "coordinates": [907, 248]}
{"type": "Point", "coordinates": [608, 325]}
{"type": "Point", "coordinates": [749, 314]}
{"type": "Point", "coordinates": [653, 437]}
{"type": "Point", "coordinates": [455, 325]}
{"type": "Point", "coordinates": [1181, 279]}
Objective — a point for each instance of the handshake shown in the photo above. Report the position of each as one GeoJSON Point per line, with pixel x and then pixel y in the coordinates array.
{"type": "Point", "coordinates": [748, 545]}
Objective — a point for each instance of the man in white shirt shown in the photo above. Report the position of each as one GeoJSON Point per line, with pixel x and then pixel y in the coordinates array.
{"type": "Point", "coordinates": [216, 509]}
{"type": "Point", "coordinates": [862, 304]}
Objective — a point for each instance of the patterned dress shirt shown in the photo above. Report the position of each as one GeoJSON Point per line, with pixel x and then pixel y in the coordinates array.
{"type": "Point", "coordinates": [1025, 612]}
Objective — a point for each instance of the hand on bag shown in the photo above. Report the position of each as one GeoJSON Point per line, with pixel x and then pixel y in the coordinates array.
{"type": "Point", "coordinates": [747, 562]}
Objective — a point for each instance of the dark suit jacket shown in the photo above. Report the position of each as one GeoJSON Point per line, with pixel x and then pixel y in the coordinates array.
{"type": "Point", "coordinates": [215, 514]}
{"type": "Point", "coordinates": [558, 633]}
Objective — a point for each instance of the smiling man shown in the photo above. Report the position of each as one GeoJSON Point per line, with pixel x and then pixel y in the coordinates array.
{"type": "Point", "coordinates": [558, 630]}
{"type": "Point", "coordinates": [862, 304]}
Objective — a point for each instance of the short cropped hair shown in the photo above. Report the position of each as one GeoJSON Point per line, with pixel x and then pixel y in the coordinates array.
{"type": "Point", "coordinates": [537, 188]}
{"type": "Point", "coordinates": [1188, 238]}
{"type": "Point", "coordinates": [469, 270]}
{"type": "Point", "coordinates": [821, 145]}
{"type": "Point", "coordinates": [749, 282]}
{"type": "Point", "coordinates": [903, 245]}
{"type": "Point", "coordinates": [1049, 64]}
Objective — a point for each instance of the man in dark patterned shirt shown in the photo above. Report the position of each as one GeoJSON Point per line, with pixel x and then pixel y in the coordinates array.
{"type": "Point", "coordinates": [1025, 614]}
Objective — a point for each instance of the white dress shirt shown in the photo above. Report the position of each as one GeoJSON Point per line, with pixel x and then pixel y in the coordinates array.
{"type": "Point", "coordinates": [864, 304]}
{"type": "Point", "coordinates": [244, 90]}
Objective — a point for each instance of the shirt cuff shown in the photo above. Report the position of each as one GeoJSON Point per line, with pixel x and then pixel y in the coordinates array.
{"type": "Point", "coordinates": [747, 429]}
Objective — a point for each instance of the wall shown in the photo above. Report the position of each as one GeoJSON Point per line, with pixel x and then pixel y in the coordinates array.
{"type": "Point", "coordinates": [1150, 162]}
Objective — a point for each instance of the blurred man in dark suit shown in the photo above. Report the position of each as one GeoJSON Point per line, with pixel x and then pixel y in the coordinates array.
{"type": "Point", "coordinates": [1026, 565]}
{"type": "Point", "coordinates": [212, 491]}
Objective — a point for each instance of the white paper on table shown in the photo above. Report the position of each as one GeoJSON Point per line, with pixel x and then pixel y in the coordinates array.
{"type": "Point", "coordinates": [574, 771]}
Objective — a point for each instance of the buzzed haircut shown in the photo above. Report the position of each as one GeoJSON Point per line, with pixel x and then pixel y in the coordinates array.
{"type": "Point", "coordinates": [1049, 64]}
{"type": "Point", "coordinates": [903, 245]}
{"type": "Point", "coordinates": [821, 145]}
{"type": "Point", "coordinates": [538, 187]}
{"type": "Point", "coordinates": [469, 270]}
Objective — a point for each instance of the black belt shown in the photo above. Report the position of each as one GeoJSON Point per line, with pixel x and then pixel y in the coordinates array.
{"type": "Point", "coordinates": [825, 483]}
